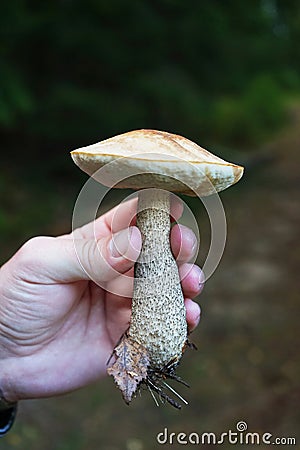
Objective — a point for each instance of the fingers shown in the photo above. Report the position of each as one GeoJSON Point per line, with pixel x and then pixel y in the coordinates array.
{"type": "Point", "coordinates": [184, 243]}
{"type": "Point", "coordinates": [192, 279]}
{"type": "Point", "coordinates": [120, 217]}
{"type": "Point", "coordinates": [176, 208]}
{"type": "Point", "coordinates": [120, 290]}
{"type": "Point", "coordinates": [119, 311]}
{"type": "Point", "coordinates": [124, 214]}
{"type": "Point", "coordinates": [192, 282]}
{"type": "Point", "coordinates": [193, 312]}
{"type": "Point", "coordinates": [116, 219]}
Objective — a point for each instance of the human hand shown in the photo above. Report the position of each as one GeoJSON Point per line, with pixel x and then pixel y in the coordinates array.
{"type": "Point", "coordinates": [57, 327]}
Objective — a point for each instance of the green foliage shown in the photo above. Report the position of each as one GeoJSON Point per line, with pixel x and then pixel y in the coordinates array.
{"type": "Point", "coordinates": [83, 70]}
{"type": "Point", "coordinates": [249, 118]}
{"type": "Point", "coordinates": [15, 97]}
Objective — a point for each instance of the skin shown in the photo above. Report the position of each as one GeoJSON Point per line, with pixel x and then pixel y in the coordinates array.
{"type": "Point", "coordinates": [57, 327]}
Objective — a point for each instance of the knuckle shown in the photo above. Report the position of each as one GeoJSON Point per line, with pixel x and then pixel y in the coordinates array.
{"type": "Point", "coordinates": [92, 258]}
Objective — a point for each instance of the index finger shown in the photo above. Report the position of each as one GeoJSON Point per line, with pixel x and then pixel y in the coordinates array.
{"type": "Point", "coordinates": [120, 217]}
{"type": "Point", "coordinates": [116, 219]}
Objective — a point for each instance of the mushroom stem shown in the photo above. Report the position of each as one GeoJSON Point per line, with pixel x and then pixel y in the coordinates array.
{"type": "Point", "coordinates": [151, 349]}
{"type": "Point", "coordinates": [158, 319]}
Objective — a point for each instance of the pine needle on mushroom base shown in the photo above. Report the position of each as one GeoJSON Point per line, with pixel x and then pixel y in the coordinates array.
{"type": "Point", "coordinates": [157, 336]}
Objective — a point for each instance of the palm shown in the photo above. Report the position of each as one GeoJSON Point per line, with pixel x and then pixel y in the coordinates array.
{"type": "Point", "coordinates": [75, 332]}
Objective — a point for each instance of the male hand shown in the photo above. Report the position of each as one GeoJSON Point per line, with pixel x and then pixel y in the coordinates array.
{"type": "Point", "coordinates": [64, 304]}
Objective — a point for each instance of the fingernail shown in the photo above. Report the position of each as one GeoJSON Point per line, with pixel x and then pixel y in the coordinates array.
{"type": "Point", "coordinates": [201, 278]}
{"type": "Point", "coordinates": [195, 245]}
{"type": "Point", "coordinates": [120, 242]}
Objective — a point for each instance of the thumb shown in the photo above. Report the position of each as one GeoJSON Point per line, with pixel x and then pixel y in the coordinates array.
{"type": "Point", "coordinates": [53, 260]}
{"type": "Point", "coordinates": [106, 258]}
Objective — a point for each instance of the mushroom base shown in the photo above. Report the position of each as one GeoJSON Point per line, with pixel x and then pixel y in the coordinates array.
{"type": "Point", "coordinates": [132, 371]}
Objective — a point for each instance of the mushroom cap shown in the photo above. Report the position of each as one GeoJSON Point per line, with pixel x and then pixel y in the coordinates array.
{"type": "Point", "coordinates": [156, 159]}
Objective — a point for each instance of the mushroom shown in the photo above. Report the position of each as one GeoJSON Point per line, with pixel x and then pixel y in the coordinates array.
{"type": "Point", "coordinates": [150, 350]}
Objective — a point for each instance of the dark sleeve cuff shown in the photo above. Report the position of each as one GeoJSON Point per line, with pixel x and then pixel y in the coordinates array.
{"type": "Point", "coordinates": [7, 418]}
{"type": "Point", "coordinates": [8, 412]}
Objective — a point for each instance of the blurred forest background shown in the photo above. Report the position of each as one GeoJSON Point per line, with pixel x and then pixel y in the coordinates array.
{"type": "Point", "coordinates": [225, 74]}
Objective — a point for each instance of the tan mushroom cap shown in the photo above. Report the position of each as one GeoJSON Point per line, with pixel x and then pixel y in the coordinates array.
{"type": "Point", "coordinates": [157, 159]}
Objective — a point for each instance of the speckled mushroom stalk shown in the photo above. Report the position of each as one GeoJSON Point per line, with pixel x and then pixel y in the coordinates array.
{"type": "Point", "coordinates": [158, 330]}
{"type": "Point", "coordinates": [158, 319]}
